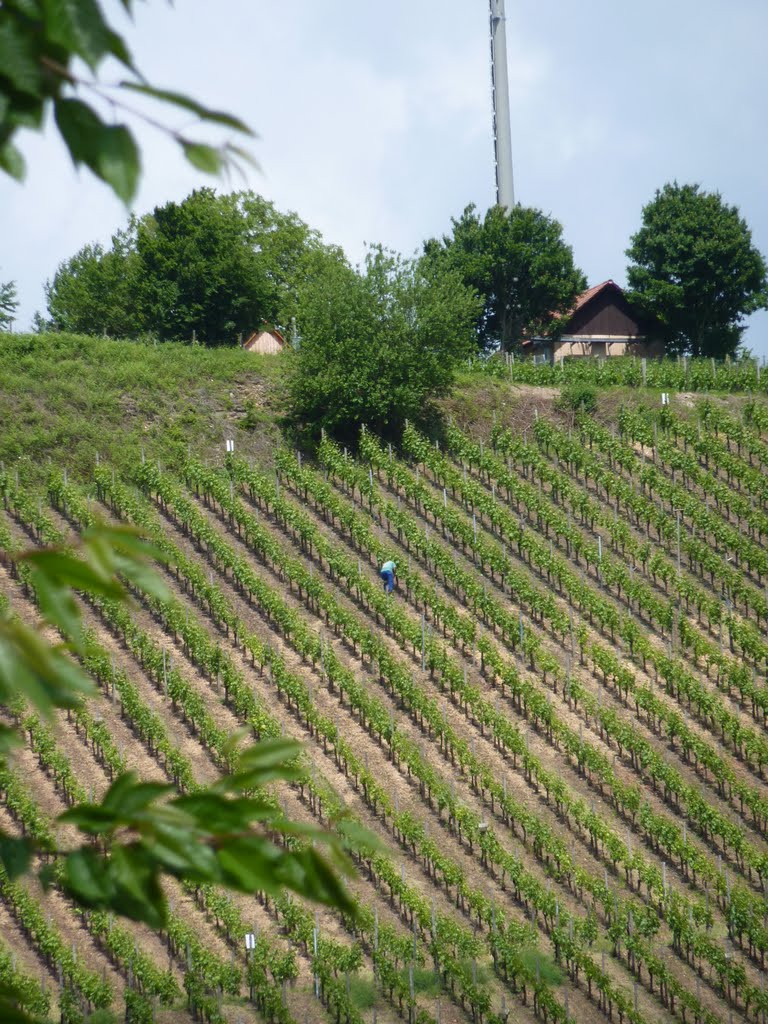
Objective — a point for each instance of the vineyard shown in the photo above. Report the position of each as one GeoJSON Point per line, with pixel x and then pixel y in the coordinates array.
{"type": "Point", "coordinates": [556, 727]}
{"type": "Point", "coordinates": [683, 373]}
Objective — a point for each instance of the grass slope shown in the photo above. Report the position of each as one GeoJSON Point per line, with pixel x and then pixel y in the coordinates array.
{"type": "Point", "coordinates": [65, 397]}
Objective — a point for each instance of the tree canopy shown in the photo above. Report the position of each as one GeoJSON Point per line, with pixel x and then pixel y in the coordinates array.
{"type": "Point", "coordinates": [518, 261]}
{"type": "Point", "coordinates": [215, 265]}
{"type": "Point", "coordinates": [9, 303]}
{"type": "Point", "coordinates": [377, 345]}
{"type": "Point", "coordinates": [199, 270]}
{"type": "Point", "coordinates": [44, 48]}
{"type": "Point", "coordinates": [94, 291]}
{"type": "Point", "coordinates": [694, 268]}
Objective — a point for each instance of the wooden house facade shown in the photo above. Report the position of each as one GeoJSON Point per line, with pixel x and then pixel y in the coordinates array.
{"type": "Point", "coordinates": [266, 341]}
{"type": "Point", "coordinates": [601, 324]}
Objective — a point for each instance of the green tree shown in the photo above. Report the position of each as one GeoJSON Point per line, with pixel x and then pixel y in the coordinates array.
{"type": "Point", "coordinates": [377, 346]}
{"type": "Point", "coordinates": [43, 47]}
{"type": "Point", "coordinates": [214, 264]}
{"type": "Point", "coordinates": [9, 303]}
{"type": "Point", "coordinates": [287, 251]}
{"type": "Point", "coordinates": [199, 271]}
{"type": "Point", "coordinates": [518, 261]}
{"type": "Point", "coordinates": [694, 268]}
{"type": "Point", "coordinates": [94, 292]}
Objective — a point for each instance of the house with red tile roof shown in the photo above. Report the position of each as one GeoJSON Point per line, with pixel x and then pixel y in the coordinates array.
{"type": "Point", "coordinates": [602, 323]}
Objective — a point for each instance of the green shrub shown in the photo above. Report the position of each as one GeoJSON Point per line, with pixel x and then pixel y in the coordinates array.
{"type": "Point", "coordinates": [548, 970]}
{"type": "Point", "coordinates": [253, 416]}
{"type": "Point", "coordinates": [578, 397]}
{"type": "Point", "coordinates": [362, 991]}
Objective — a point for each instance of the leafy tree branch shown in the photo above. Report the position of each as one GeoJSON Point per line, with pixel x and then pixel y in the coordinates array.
{"type": "Point", "coordinates": [232, 833]}
{"type": "Point", "coordinates": [40, 44]}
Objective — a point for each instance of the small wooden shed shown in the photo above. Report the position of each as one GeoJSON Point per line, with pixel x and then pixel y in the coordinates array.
{"type": "Point", "coordinates": [266, 341]}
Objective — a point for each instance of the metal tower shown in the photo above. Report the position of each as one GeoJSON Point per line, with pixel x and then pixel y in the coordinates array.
{"type": "Point", "coordinates": [502, 134]}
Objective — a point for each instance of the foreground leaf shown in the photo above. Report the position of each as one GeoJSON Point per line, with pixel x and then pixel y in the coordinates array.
{"type": "Point", "coordinates": [204, 158]}
{"type": "Point", "coordinates": [67, 570]}
{"type": "Point", "coordinates": [43, 675]}
{"type": "Point", "coordinates": [18, 60]}
{"type": "Point", "coordinates": [108, 150]}
{"type": "Point", "coordinates": [178, 99]}
{"type": "Point", "coordinates": [79, 27]}
{"type": "Point", "coordinates": [12, 161]}
{"type": "Point", "coordinates": [15, 855]}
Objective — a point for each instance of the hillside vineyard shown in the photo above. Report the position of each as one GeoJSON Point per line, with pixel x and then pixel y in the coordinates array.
{"type": "Point", "coordinates": [556, 726]}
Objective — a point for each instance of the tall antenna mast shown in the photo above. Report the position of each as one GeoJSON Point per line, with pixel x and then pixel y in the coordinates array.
{"type": "Point", "coordinates": [502, 134]}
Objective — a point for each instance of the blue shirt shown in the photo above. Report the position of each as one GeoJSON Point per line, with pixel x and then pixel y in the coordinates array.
{"type": "Point", "coordinates": [389, 566]}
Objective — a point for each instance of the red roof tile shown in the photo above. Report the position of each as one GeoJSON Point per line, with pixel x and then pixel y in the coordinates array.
{"type": "Point", "coordinates": [590, 293]}
{"type": "Point", "coordinates": [583, 299]}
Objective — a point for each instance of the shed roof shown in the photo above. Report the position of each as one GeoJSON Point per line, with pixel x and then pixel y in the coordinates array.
{"type": "Point", "coordinates": [584, 299]}
{"type": "Point", "coordinates": [590, 293]}
{"type": "Point", "coordinates": [265, 329]}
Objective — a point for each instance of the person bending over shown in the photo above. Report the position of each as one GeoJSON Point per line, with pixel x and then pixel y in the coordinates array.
{"type": "Point", "coordinates": [388, 573]}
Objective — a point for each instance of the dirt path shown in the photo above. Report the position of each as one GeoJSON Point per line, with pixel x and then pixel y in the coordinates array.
{"type": "Point", "coordinates": [183, 903]}
{"type": "Point", "coordinates": [53, 805]}
{"type": "Point", "coordinates": [24, 953]}
{"type": "Point", "coordinates": [92, 775]}
{"type": "Point", "coordinates": [391, 776]}
{"type": "Point", "coordinates": [61, 915]}
{"type": "Point", "coordinates": [718, 474]}
{"type": "Point", "coordinates": [687, 772]}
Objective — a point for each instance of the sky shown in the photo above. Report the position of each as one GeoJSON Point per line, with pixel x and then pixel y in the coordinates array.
{"type": "Point", "coordinates": [374, 121]}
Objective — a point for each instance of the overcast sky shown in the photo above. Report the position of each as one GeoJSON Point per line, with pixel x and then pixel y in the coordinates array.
{"type": "Point", "coordinates": [374, 120]}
